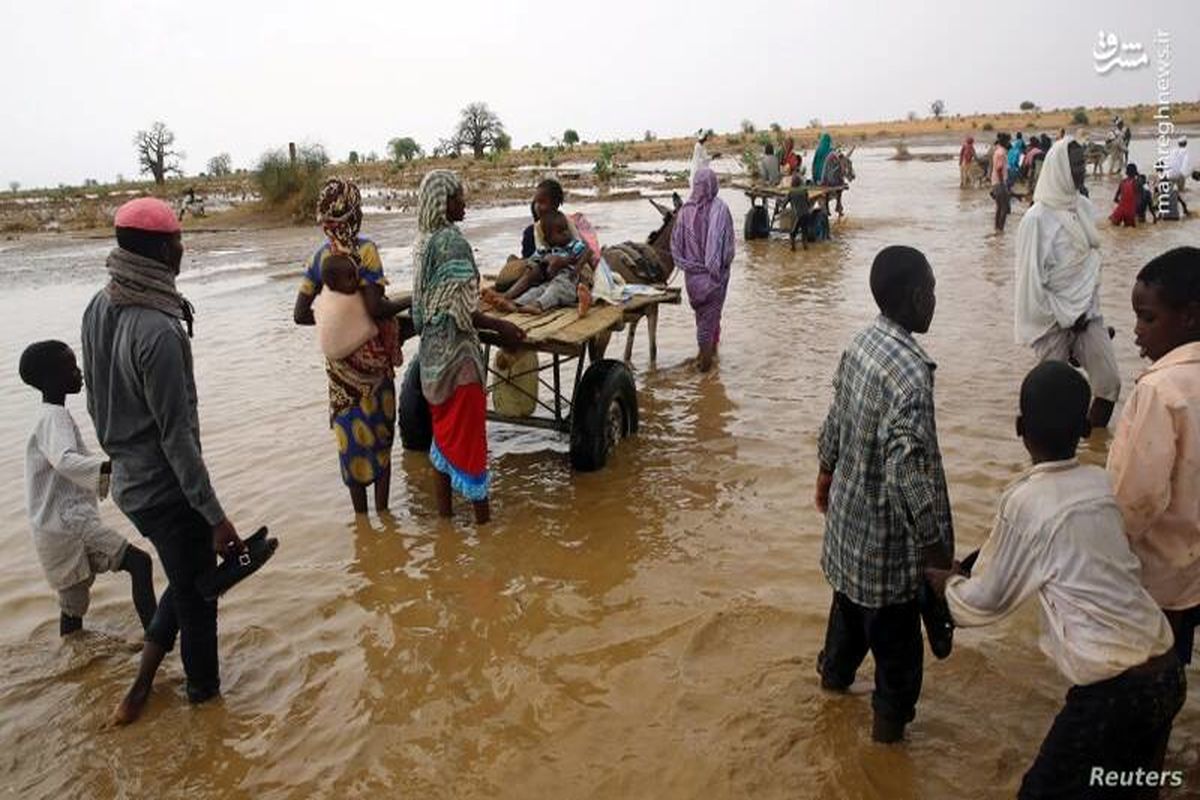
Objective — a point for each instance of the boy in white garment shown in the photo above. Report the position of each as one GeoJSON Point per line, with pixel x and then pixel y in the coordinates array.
{"type": "Point", "coordinates": [1059, 535]}
{"type": "Point", "coordinates": [63, 482]}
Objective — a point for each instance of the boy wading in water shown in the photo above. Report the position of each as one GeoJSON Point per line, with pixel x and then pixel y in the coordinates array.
{"type": "Point", "coordinates": [1154, 460]}
{"type": "Point", "coordinates": [883, 492]}
{"type": "Point", "coordinates": [62, 483]}
{"type": "Point", "coordinates": [1059, 535]}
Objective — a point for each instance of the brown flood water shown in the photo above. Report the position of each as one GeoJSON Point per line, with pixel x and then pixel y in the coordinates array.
{"type": "Point", "coordinates": [647, 631]}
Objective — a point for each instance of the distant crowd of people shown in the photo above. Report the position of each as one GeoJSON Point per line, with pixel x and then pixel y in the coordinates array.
{"type": "Point", "coordinates": [1014, 158]}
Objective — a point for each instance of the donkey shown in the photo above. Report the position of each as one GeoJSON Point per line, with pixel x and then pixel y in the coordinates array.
{"type": "Point", "coordinates": [649, 262]}
{"type": "Point", "coordinates": [838, 171]}
{"type": "Point", "coordinates": [980, 169]}
{"type": "Point", "coordinates": [1096, 154]}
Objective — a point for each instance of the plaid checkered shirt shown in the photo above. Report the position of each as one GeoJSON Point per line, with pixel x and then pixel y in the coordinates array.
{"type": "Point", "coordinates": [888, 500]}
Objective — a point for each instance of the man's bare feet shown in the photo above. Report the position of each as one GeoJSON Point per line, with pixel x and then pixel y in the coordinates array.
{"type": "Point", "coordinates": [131, 705]}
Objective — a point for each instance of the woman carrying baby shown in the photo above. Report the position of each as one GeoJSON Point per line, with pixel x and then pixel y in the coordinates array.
{"type": "Point", "coordinates": [343, 294]}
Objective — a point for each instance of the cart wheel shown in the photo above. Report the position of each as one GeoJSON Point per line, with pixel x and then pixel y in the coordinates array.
{"type": "Point", "coordinates": [758, 223]}
{"type": "Point", "coordinates": [605, 411]}
{"type": "Point", "coordinates": [416, 425]}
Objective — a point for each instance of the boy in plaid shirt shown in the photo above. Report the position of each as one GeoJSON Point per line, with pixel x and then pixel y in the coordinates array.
{"type": "Point", "coordinates": [883, 491]}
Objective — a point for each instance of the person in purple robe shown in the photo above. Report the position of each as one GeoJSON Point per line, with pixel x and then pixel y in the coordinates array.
{"type": "Point", "coordinates": [702, 246]}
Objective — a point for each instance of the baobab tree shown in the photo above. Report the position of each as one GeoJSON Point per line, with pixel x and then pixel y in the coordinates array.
{"type": "Point", "coordinates": [220, 165]}
{"type": "Point", "coordinates": [479, 128]}
{"type": "Point", "coordinates": [155, 155]}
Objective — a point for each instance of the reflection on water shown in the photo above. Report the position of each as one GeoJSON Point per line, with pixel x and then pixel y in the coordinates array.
{"type": "Point", "coordinates": [646, 631]}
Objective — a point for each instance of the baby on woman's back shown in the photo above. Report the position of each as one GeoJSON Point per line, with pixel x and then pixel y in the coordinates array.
{"type": "Point", "coordinates": [344, 325]}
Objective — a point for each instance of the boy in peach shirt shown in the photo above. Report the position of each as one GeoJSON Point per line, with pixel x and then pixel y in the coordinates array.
{"type": "Point", "coordinates": [1154, 460]}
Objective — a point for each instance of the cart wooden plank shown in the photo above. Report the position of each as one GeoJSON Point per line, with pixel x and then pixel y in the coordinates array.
{"type": "Point", "coordinates": [782, 192]}
{"type": "Point", "coordinates": [563, 330]}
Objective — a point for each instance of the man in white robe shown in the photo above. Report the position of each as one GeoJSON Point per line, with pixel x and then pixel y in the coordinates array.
{"type": "Point", "coordinates": [1058, 279]}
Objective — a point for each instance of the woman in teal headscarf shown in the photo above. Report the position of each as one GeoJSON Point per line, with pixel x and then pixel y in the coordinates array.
{"type": "Point", "coordinates": [446, 315]}
{"type": "Point", "coordinates": [823, 149]}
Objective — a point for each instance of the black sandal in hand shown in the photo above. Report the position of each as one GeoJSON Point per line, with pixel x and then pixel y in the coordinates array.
{"type": "Point", "coordinates": [235, 568]}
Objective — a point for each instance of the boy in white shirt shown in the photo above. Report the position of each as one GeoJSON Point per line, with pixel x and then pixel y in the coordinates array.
{"type": "Point", "coordinates": [62, 484]}
{"type": "Point", "coordinates": [1059, 535]}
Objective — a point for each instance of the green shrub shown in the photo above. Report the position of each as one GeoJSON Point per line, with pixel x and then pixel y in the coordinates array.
{"type": "Point", "coordinates": [750, 163]}
{"type": "Point", "coordinates": [987, 126]}
{"type": "Point", "coordinates": [284, 183]}
{"type": "Point", "coordinates": [1079, 117]}
{"type": "Point", "coordinates": [605, 168]}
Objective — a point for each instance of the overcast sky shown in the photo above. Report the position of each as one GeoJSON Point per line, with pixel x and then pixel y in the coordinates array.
{"type": "Point", "coordinates": [241, 77]}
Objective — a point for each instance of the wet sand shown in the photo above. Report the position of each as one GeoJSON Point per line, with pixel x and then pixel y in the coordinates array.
{"type": "Point", "coordinates": [649, 630]}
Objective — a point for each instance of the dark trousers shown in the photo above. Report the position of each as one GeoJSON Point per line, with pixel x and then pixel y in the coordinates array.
{"type": "Point", "coordinates": [1003, 200]}
{"type": "Point", "coordinates": [892, 635]}
{"type": "Point", "coordinates": [1121, 724]}
{"type": "Point", "coordinates": [1183, 625]}
{"type": "Point", "coordinates": [800, 227]}
{"type": "Point", "coordinates": [183, 540]}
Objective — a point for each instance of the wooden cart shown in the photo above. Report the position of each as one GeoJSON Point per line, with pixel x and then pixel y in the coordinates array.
{"type": "Point", "coordinates": [764, 197]}
{"type": "Point", "coordinates": [595, 403]}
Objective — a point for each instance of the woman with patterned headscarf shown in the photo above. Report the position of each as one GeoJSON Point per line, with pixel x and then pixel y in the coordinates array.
{"type": "Point", "coordinates": [702, 246]}
{"type": "Point", "coordinates": [447, 318]}
{"type": "Point", "coordinates": [362, 392]}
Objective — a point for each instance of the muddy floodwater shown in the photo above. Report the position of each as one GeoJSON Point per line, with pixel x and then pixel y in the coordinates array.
{"type": "Point", "coordinates": [646, 631]}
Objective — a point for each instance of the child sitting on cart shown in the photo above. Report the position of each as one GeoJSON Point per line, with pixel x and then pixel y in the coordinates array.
{"type": "Point", "coordinates": [557, 276]}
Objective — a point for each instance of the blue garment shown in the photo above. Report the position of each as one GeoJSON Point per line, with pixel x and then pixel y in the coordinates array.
{"type": "Point", "coordinates": [370, 267]}
{"type": "Point", "coordinates": [572, 250]}
{"type": "Point", "coordinates": [1015, 153]}
{"type": "Point", "coordinates": [824, 147]}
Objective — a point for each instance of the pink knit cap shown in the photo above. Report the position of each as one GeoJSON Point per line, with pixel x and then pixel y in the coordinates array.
{"type": "Point", "coordinates": [147, 214]}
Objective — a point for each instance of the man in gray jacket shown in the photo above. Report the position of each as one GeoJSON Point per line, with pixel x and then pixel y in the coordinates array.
{"type": "Point", "coordinates": [137, 364]}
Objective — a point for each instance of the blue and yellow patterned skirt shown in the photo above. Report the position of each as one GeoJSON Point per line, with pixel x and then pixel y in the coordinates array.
{"type": "Point", "coordinates": [364, 432]}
